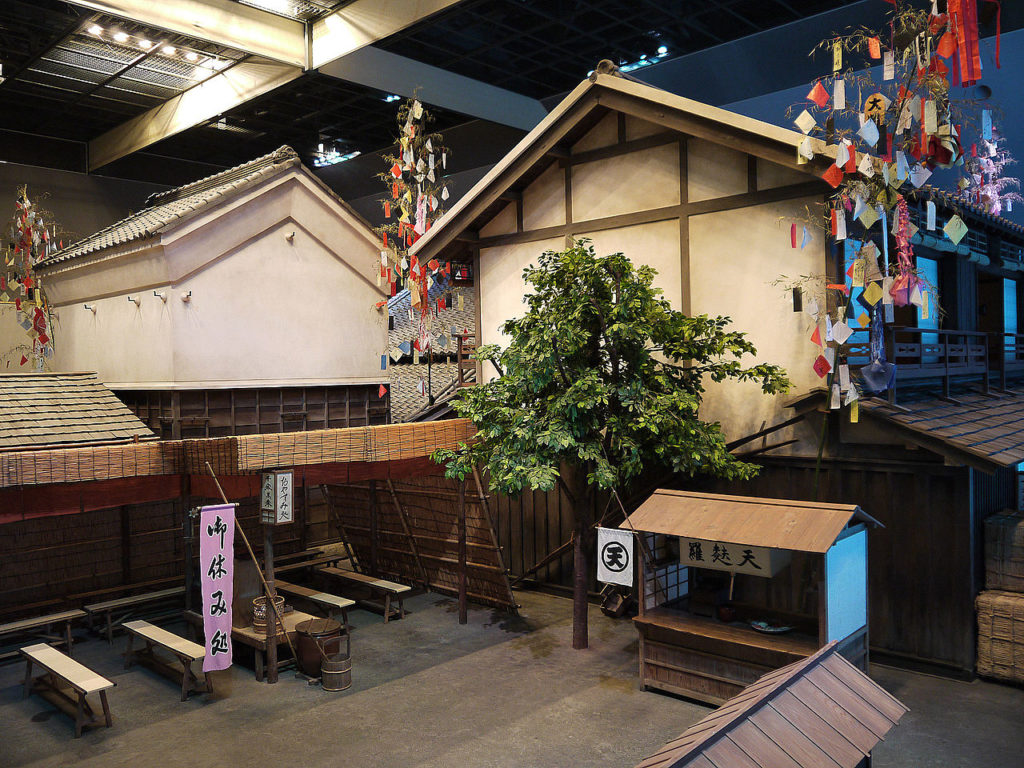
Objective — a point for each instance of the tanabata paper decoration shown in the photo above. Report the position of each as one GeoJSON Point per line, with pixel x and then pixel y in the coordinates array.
{"type": "Point", "coordinates": [874, 48]}
{"type": "Point", "coordinates": [868, 217]}
{"type": "Point", "coordinates": [857, 278]}
{"type": "Point", "coordinates": [916, 296]}
{"type": "Point", "coordinates": [872, 293]}
{"type": "Point", "coordinates": [854, 410]}
{"type": "Point", "coordinates": [931, 120]}
{"type": "Point", "coordinates": [869, 132]}
{"type": "Point", "coordinates": [805, 239]}
{"type": "Point", "coordinates": [382, 391]}
{"type": "Point", "coordinates": [837, 56]}
{"type": "Point", "coordinates": [841, 332]}
{"type": "Point", "coordinates": [919, 175]}
{"type": "Point", "coordinates": [839, 94]}
{"type": "Point", "coordinates": [955, 229]}
{"type": "Point", "coordinates": [836, 400]}
{"type": "Point", "coordinates": [930, 215]}
{"type": "Point", "coordinates": [821, 366]}
{"type": "Point", "coordinates": [816, 336]}
{"type": "Point", "coordinates": [834, 176]}
{"type": "Point", "coordinates": [878, 376]}
{"type": "Point", "coordinates": [863, 320]}
{"type": "Point", "coordinates": [818, 95]}
{"type": "Point", "coordinates": [844, 377]}
{"type": "Point", "coordinates": [805, 121]}
{"type": "Point", "coordinates": [888, 66]}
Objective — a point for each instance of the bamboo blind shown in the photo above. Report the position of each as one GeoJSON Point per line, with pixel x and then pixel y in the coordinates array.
{"type": "Point", "coordinates": [244, 454]}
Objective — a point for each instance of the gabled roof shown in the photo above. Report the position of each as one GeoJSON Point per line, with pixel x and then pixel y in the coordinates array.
{"type": "Point", "coordinates": [40, 410]}
{"type": "Point", "coordinates": [804, 526]}
{"type": "Point", "coordinates": [820, 711]}
{"type": "Point", "coordinates": [979, 430]}
{"type": "Point", "coordinates": [579, 111]}
{"type": "Point", "coordinates": [165, 210]}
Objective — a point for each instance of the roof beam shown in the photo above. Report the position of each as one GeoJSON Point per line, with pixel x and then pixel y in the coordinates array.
{"type": "Point", "coordinates": [396, 74]}
{"type": "Point", "coordinates": [223, 22]}
{"type": "Point", "coordinates": [363, 22]}
{"type": "Point", "coordinates": [215, 95]}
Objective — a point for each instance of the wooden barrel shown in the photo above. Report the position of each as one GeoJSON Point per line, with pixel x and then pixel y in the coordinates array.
{"type": "Point", "coordinates": [313, 635]}
{"type": "Point", "coordinates": [336, 669]}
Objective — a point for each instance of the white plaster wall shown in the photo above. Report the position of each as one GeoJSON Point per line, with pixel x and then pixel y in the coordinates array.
{"type": "Point", "coordinates": [502, 287]}
{"type": "Point", "coordinates": [655, 244]}
{"type": "Point", "coordinates": [120, 341]}
{"type": "Point", "coordinates": [713, 170]}
{"type": "Point", "coordinates": [637, 181]}
{"type": "Point", "coordinates": [604, 134]}
{"type": "Point", "coordinates": [544, 199]}
{"type": "Point", "coordinates": [637, 128]}
{"type": "Point", "coordinates": [503, 223]}
{"type": "Point", "coordinates": [734, 257]}
{"type": "Point", "coordinates": [278, 312]}
{"type": "Point", "coordinates": [771, 175]}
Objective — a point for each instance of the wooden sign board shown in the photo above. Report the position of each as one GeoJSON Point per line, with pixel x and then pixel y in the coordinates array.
{"type": "Point", "coordinates": [276, 498]}
{"type": "Point", "coordinates": [734, 558]}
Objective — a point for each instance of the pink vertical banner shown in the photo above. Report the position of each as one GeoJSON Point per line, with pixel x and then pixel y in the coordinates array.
{"type": "Point", "coordinates": [216, 574]}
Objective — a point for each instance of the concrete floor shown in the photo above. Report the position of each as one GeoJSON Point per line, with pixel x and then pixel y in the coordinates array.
{"type": "Point", "coordinates": [426, 692]}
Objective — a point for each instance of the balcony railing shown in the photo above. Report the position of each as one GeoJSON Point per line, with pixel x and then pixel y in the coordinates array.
{"type": "Point", "coordinates": [926, 353]}
{"type": "Point", "coordinates": [466, 365]}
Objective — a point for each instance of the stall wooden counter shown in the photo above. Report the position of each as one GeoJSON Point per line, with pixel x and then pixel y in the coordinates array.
{"type": "Point", "coordinates": [780, 555]}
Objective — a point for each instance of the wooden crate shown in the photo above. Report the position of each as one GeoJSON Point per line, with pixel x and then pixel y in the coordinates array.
{"type": "Point", "coordinates": [1001, 635]}
{"type": "Point", "coordinates": [1004, 552]}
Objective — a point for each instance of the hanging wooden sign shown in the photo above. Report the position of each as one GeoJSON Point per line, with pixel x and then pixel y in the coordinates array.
{"type": "Point", "coordinates": [276, 498]}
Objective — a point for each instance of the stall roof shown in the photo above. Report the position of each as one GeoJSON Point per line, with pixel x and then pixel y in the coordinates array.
{"type": "Point", "coordinates": [804, 526]}
{"type": "Point", "coordinates": [46, 410]}
{"type": "Point", "coordinates": [820, 711]}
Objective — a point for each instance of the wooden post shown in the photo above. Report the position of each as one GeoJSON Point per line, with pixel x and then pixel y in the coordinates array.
{"type": "Point", "coordinates": [463, 618]}
{"type": "Point", "coordinates": [190, 576]}
{"type": "Point", "coordinates": [408, 533]}
{"type": "Point", "coordinates": [373, 527]}
{"type": "Point", "coordinates": [270, 613]}
{"type": "Point", "coordinates": [126, 546]}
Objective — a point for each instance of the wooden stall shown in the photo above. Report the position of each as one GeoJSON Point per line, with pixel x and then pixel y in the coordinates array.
{"type": "Point", "coordinates": [731, 587]}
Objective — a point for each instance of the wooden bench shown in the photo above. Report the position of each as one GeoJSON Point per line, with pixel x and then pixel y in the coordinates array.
{"type": "Point", "coordinates": [185, 650]}
{"type": "Point", "coordinates": [323, 600]}
{"type": "Point", "coordinates": [389, 589]}
{"type": "Point", "coordinates": [310, 563]}
{"type": "Point", "coordinates": [65, 671]}
{"type": "Point", "coordinates": [27, 625]}
{"type": "Point", "coordinates": [107, 607]}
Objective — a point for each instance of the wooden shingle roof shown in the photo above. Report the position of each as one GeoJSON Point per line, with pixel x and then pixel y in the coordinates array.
{"type": "Point", "coordinates": [982, 431]}
{"type": "Point", "coordinates": [44, 410]}
{"type": "Point", "coordinates": [804, 526]}
{"type": "Point", "coordinates": [820, 712]}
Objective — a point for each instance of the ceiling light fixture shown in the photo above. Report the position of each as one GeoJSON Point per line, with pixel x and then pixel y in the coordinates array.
{"type": "Point", "coordinates": [169, 50]}
{"type": "Point", "coordinates": [96, 29]}
{"type": "Point", "coordinates": [121, 37]}
{"type": "Point", "coordinates": [145, 44]}
{"type": "Point", "coordinates": [192, 56]}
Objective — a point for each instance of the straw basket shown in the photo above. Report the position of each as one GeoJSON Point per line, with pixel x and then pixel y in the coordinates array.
{"type": "Point", "coordinates": [259, 613]}
{"type": "Point", "coordinates": [1004, 552]}
{"type": "Point", "coordinates": [1001, 635]}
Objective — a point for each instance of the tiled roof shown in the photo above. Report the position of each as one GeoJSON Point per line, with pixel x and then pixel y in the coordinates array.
{"type": "Point", "coordinates": [815, 712]}
{"type": "Point", "coordinates": [987, 428]}
{"type": "Point", "coordinates": [57, 409]}
{"type": "Point", "coordinates": [463, 320]}
{"type": "Point", "coordinates": [164, 209]}
{"type": "Point", "coordinates": [949, 200]}
{"type": "Point", "coordinates": [405, 397]}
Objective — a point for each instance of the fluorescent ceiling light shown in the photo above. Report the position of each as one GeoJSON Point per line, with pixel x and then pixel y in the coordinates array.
{"type": "Point", "coordinates": [121, 37]}
{"type": "Point", "coordinates": [96, 29]}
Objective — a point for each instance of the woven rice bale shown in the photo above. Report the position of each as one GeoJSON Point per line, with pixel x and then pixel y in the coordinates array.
{"type": "Point", "coordinates": [1001, 635]}
{"type": "Point", "coordinates": [1004, 552]}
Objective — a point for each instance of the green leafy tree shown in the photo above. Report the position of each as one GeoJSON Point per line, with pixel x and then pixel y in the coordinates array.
{"type": "Point", "coordinates": [601, 380]}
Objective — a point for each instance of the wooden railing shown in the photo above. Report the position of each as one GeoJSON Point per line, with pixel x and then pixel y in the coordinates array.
{"type": "Point", "coordinates": [1008, 355]}
{"type": "Point", "coordinates": [464, 361]}
{"type": "Point", "coordinates": [927, 353]}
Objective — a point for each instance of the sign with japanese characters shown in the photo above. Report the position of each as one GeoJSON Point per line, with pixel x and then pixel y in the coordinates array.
{"type": "Point", "coordinates": [276, 498]}
{"type": "Point", "coordinates": [735, 558]}
{"type": "Point", "coordinates": [615, 556]}
{"type": "Point", "coordinates": [216, 574]}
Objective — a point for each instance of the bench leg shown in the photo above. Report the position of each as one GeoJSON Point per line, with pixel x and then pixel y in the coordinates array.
{"type": "Point", "coordinates": [67, 636]}
{"type": "Point", "coordinates": [128, 653]}
{"type": "Point", "coordinates": [186, 678]}
{"type": "Point", "coordinates": [106, 709]}
{"type": "Point", "coordinates": [387, 607]}
{"type": "Point", "coordinates": [28, 679]}
{"type": "Point", "coordinates": [80, 715]}
{"type": "Point", "coordinates": [401, 607]}
{"type": "Point", "coordinates": [209, 682]}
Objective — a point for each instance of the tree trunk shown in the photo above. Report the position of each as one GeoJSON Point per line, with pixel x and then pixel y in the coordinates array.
{"type": "Point", "coordinates": [582, 545]}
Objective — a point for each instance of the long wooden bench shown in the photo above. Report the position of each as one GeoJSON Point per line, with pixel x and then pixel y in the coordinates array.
{"type": "Point", "coordinates": [310, 563]}
{"type": "Point", "coordinates": [323, 600]}
{"type": "Point", "coordinates": [63, 671]}
{"type": "Point", "coordinates": [185, 650]}
{"type": "Point", "coordinates": [40, 622]}
{"type": "Point", "coordinates": [107, 607]}
{"type": "Point", "coordinates": [388, 589]}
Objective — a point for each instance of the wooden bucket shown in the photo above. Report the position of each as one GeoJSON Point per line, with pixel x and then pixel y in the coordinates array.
{"type": "Point", "coordinates": [336, 669]}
